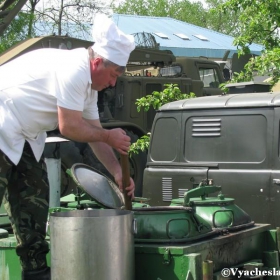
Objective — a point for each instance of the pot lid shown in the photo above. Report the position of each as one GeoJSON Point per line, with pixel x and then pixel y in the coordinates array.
{"type": "Point", "coordinates": [99, 187]}
{"type": "Point", "coordinates": [200, 194]}
{"type": "Point", "coordinates": [220, 200]}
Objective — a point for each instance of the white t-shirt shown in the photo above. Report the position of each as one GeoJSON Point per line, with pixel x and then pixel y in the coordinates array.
{"type": "Point", "coordinates": [31, 88]}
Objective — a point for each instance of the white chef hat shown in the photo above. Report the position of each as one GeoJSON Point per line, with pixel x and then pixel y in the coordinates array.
{"type": "Point", "coordinates": [110, 42]}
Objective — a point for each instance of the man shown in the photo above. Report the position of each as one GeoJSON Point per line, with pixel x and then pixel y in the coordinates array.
{"type": "Point", "coordinates": [43, 90]}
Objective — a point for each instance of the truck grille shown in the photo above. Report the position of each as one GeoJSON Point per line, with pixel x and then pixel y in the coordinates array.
{"type": "Point", "coordinates": [166, 189]}
{"type": "Point", "coordinates": [206, 127]}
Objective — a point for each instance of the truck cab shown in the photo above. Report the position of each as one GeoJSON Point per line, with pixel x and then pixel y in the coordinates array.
{"type": "Point", "coordinates": [232, 139]}
{"type": "Point", "coordinates": [198, 69]}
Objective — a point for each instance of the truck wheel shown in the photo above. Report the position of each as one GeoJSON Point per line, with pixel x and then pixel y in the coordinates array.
{"type": "Point", "coordinates": [137, 164]}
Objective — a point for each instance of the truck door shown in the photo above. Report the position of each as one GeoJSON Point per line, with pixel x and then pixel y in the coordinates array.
{"type": "Point", "coordinates": [239, 141]}
{"type": "Point", "coordinates": [211, 77]}
{"type": "Point", "coordinates": [274, 198]}
{"type": "Point", "coordinates": [166, 177]}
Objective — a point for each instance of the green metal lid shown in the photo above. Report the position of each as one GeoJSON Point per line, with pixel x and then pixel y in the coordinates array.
{"type": "Point", "coordinates": [210, 201]}
{"type": "Point", "coordinates": [203, 201]}
{"type": "Point", "coordinates": [199, 195]}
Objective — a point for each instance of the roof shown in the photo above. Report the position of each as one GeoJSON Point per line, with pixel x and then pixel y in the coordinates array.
{"type": "Point", "coordinates": [248, 100]}
{"type": "Point", "coordinates": [215, 47]}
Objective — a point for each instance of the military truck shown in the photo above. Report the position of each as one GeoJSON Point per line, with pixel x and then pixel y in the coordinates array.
{"type": "Point", "coordinates": [232, 139]}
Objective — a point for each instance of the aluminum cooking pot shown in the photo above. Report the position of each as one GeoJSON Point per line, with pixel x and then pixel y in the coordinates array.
{"type": "Point", "coordinates": [220, 212]}
{"type": "Point", "coordinates": [169, 224]}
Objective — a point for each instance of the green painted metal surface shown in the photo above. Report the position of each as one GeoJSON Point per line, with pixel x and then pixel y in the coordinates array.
{"type": "Point", "coordinates": [179, 261]}
{"type": "Point", "coordinates": [170, 262]}
{"type": "Point", "coordinates": [257, 245]}
{"type": "Point", "coordinates": [219, 211]}
{"type": "Point", "coordinates": [169, 224]}
{"type": "Point", "coordinates": [9, 262]}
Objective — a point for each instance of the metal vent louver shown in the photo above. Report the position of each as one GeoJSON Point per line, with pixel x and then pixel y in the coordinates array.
{"type": "Point", "coordinates": [181, 192]}
{"type": "Point", "coordinates": [166, 189]}
{"type": "Point", "coordinates": [206, 127]}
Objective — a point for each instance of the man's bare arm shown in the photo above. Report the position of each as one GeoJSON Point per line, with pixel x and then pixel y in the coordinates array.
{"type": "Point", "coordinates": [73, 126]}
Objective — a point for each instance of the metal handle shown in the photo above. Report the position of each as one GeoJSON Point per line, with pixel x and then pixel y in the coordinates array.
{"type": "Point", "coordinates": [126, 180]}
{"type": "Point", "coordinates": [47, 228]}
{"type": "Point", "coordinates": [202, 190]}
{"type": "Point", "coordinates": [177, 219]}
{"type": "Point", "coordinates": [134, 226]}
{"type": "Point", "coordinates": [120, 101]}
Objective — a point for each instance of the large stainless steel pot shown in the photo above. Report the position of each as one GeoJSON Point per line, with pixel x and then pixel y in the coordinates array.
{"type": "Point", "coordinates": [92, 244]}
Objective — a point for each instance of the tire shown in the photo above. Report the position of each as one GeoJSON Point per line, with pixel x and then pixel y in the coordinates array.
{"type": "Point", "coordinates": [137, 164]}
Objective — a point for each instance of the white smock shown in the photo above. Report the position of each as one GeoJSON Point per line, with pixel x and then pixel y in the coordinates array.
{"type": "Point", "coordinates": [31, 88]}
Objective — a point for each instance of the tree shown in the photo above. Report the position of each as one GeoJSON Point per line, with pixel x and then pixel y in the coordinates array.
{"type": "Point", "coordinates": [181, 10]}
{"type": "Point", "coordinates": [223, 21]}
{"type": "Point", "coordinates": [69, 17]}
{"type": "Point", "coordinates": [16, 32]}
{"type": "Point", "coordinates": [8, 11]}
{"type": "Point", "coordinates": [39, 17]}
{"type": "Point", "coordinates": [12, 23]}
{"type": "Point", "coordinates": [192, 12]}
{"type": "Point", "coordinates": [32, 15]}
{"type": "Point", "coordinates": [258, 23]}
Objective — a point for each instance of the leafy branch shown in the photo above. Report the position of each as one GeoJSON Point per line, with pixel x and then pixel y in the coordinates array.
{"type": "Point", "coordinates": [157, 99]}
{"type": "Point", "coordinates": [171, 93]}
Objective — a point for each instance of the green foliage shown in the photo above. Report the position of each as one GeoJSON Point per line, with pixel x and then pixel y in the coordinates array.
{"type": "Point", "coordinates": [161, 8]}
{"type": "Point", "coordinates": [266, 64]}
{"type": "Point", "coordinates": [142, 144]}
{"type": "Point", "coordinates": [219, 20]}
{"type": "Point", "coordinates": [259, 22]}
{"type": "Point", "coordinates": [224, 88]}
{"type": "Point", "coordinates": [156, 100]}
{"type": "Point", "coordinates": [188, 11]}
{"type": "Point", "coordinates": [16, 32]}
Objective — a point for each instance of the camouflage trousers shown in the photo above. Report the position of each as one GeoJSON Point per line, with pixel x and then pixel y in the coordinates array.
{"type": "Point", "coordinates": [25, 192]}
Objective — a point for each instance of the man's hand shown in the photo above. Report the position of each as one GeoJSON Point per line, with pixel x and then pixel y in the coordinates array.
{"type": "Point", "coordinates": [118, 140]}
{"type": "Point", "coordinates": [130, 189]}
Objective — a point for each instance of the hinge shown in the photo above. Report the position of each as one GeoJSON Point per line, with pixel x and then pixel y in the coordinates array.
{"type": "Point", "coordinates": [167, 257]}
